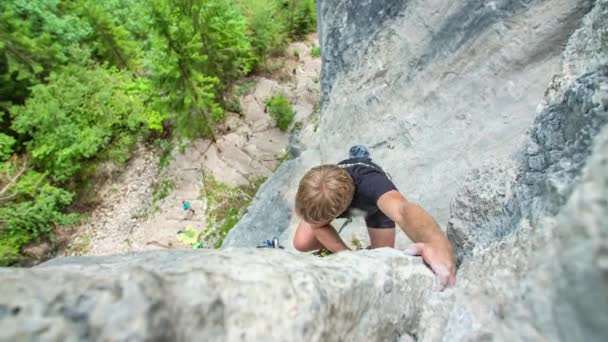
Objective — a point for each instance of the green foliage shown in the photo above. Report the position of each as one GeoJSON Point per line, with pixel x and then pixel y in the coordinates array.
{"type": "Point", "coordinates": [267, 25]}
{"type": "Point", "coordinates": [38, 214]}
{"type": "Point", "coordinates": [301, 16]}
{"type": "Point", "coordinates": [227, 204]}
{"type": "Point", "coordinates": [35, 36]}
{"type": "Point", "coordinates": [31, 208]}
{"type": "Point", "coordinates": [245, 87]}
{"type": "Point", "coordinates": [273, 22]}
{"type": "Point", "coordinates": [79, 114]}
{"type": "Point", "coordinates": [201, 47]}
{"type": "Point", "coordinates": [280, 110]}
{"type": "Point", "coordinates": [162, 189]}
{"type": "Point", "coordinates": [315, 52]}
{"type": "Point", "coordinates": [180, 58]}
{"type": "Point", "coordinates": [81, 81]}
{"type": "Point", "coordinates": [132, 15]}
{"type": "Point", "coordinates": [10, 246]}
{"type": "Point", "coordinates": [166, 149]}
{"type": "Point", "coordinates": [6, 146]}
{"type": "Point", "coordinates": [233, 104]}
{"type": "Point", "coordinates": [223, 32]}
{"type": "Point", "coordinates": [110, 41]}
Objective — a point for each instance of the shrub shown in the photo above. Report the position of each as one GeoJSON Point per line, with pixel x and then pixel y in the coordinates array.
{"type": "Point", "coordinates": [266, 24]}
{"type": "Point", "coordinates": [302, 17]}
{"type": "Point", "coordinates": [79, 114]}
{"type": "Point", "coordinates": [280, 110]}
{"type": "Point", "coordinates": [226, 205]}
{"type": "Point", "coordinates": [6, 146]}
{"type": "Point", "coordinates": [31, 208]}
{"type": "Point", "coordinates": [315, 52]}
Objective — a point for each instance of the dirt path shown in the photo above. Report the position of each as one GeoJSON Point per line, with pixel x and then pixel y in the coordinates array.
{"type": "Point", "coordinates": [143, 209]}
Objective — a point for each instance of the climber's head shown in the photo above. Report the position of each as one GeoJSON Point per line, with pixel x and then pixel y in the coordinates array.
{"type": "Point", "coordinates": [324, 193]}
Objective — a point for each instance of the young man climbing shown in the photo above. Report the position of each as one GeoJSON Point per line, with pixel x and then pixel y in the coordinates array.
{"type": "Point", "coordinates": [358, 186]}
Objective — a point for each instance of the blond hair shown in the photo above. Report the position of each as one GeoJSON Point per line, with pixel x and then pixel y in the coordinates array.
{"type": "Point", "coordinates": [324, 193]}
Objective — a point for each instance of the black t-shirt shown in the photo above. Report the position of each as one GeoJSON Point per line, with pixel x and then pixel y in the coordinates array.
{"type": "Point", "coordinates": [370, 181]}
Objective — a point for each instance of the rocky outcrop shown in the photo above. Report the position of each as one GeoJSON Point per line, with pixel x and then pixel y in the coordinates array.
{"type": "Point", "coordinates": [495, 198]}
{"type": "Point", "coordinates": [531, 242]}
{"type": "Point", "coordinates": [435, 89]}
{"type": "Point", "coordinates": [447, 96]}
{"type": "Point", "coordinates": [442, 87]}
{"type": "Point", "coordinates": [233, 295]}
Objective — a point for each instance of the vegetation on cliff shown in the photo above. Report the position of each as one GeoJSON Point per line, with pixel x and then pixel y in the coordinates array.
{"type": "Point", "coordinates": [82, 81]}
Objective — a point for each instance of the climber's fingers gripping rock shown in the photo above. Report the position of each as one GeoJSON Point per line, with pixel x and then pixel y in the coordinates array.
{"type": "Point", "coordinates": [438, 260]}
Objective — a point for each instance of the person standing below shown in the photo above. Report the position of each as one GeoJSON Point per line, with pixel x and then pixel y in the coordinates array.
{"type": "Point", "coordinates": [187, 208]}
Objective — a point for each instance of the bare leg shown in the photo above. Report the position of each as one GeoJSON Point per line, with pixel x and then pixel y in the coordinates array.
{"type": "Point", "coordinates": [382, 237]}
{"type": "Point", "coordinates": [304, 240]}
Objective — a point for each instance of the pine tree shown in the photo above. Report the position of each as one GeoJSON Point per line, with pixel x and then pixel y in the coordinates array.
{"type": "Point", "coordinates": [179, 61]}
{"type": "Point", "coordinates": [267, 26]}
{"type": "Point", "coordinates": [110, 42]}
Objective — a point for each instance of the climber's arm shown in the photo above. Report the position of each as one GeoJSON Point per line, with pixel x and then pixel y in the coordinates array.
{"type": "Point", "coordinates": [421, 228]}
{"type": "Point", "coordinates": [329, 238]}
{"type": "Point", "coordinates": [415, 221]}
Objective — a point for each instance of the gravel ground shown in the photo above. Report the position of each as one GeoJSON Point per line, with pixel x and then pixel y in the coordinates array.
{"type": "Point", "coordinates": [129, 219]}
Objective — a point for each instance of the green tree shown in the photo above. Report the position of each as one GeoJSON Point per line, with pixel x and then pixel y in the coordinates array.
{"type": "Point", "coordinates": [6, 146]}
{"type": "Point", "coordinates": [223, 33]}
{"type": "Point", "coordinates": [132, 15]}
{"type": "Point", "coordinates": [80, 114]}
{"type": "Point", "coordinates": [110, 41]}
{"type": "Point", "coordinates": [200, 48]}
{"type": "Point", "coordinates": [35, 36]}
{"type": "Point", "coordinates": [29, 208]}
{"type": "Point", "coordinates": [302, 17]}
{"type": "Point", "coordinates": [267, 26]}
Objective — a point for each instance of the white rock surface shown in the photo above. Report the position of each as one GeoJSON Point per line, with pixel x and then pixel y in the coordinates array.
{"type": "Point", "coordinates": [235, 295]}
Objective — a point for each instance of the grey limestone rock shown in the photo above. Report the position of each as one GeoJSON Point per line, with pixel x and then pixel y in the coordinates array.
{"type": "Point", "coordinates": [483, 211]}
{"type": "Point", "coordinates": [270, 213]}
{"type": "Point", "coordinates": [492, 201]}
{"type": "Point", "coordinates": [434, 89]}
{"type": "Point", "coordinates": [231, 295]}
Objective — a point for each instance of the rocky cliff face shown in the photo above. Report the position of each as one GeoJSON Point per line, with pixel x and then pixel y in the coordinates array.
{"type": "Point", "coordinates": [435, 89]}
{"type": "Point", "coordinates": [492, 115]}
{"type": "Point", "coordinates": [232, 295]}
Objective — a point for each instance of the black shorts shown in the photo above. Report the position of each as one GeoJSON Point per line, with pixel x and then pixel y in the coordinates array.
{"type": "Point", "coordinates": [379, 220]}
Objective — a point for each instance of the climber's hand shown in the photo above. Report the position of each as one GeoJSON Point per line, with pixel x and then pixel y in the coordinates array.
{"type": "Point", "coordinates": [439, 259]}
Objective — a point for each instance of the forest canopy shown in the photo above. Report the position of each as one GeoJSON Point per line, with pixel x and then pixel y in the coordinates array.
{"type": "Point", "coordinates": [81, 81]}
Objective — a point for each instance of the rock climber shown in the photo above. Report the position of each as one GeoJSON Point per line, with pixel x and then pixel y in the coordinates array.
{"type": "Point", "coordinates": [357, 186]}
